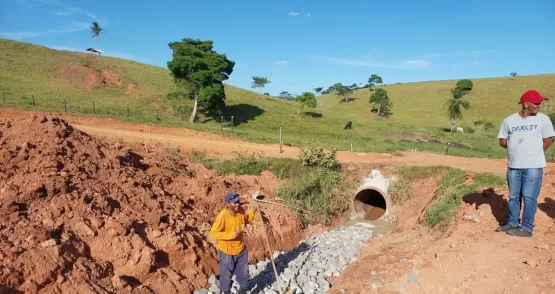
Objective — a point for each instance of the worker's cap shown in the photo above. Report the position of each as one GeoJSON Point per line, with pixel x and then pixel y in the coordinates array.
{"type": "Point", "coordinates": [232, 197]}
{"type": "Point", "coordinates": [532, 96]}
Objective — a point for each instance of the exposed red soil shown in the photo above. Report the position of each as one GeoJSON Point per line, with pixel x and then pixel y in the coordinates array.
{"type": "Point", "coordinates": [469, 258]}
{"type": "Point", "coordinates": [89, 77]}
{"type": "Point", "coordinates": [131, 88]}
{"type": "Point", "coordinates": [81, 215]}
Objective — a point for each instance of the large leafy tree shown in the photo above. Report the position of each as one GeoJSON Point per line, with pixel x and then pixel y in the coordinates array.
{"type": "Point", "coordinates": [455, 105]}
{"type": "Point", "coordinates": [373, 81]}
{"type": "Point", "coordinates": [381, 104]}
{"type": "Point", "coordinates": [199, 72]}
{"type": "Point", "coordinates": [306, 99]}
{"type": "Point", "coordinates": [340, 90]}
{"type": "Point", "coordinates": [318, 90]}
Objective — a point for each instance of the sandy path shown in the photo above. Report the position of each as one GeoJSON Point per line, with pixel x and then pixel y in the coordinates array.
{"type": "Point", "coordinates": [223, 146]}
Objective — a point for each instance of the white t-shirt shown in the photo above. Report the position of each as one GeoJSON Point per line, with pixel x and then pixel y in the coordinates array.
{"type": "Point", "coordinates": [525, 139]}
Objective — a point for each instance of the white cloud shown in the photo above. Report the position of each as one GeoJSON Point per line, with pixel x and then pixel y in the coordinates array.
{"type": "Point", "coordinates": [293, 13]}
{"type": "Point", "coordinates": [17, 36]}
{"type": "Point", "coordinates": [73, 27]}
{"type": "Point", "coordinates": [457, 53]}
{"type": "Point", "coordinates": [70, 10]}
{"type": "Point", "coordinates": [281, 62]}
{"type": "Point", "coordinates": [407, 64]}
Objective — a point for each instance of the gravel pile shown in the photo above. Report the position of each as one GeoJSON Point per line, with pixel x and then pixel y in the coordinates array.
{"type": "Point", "coordinates": [308, 266]}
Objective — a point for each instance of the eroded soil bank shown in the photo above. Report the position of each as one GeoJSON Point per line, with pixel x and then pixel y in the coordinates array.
{"type": "Point", "coordinates": [82, 215]}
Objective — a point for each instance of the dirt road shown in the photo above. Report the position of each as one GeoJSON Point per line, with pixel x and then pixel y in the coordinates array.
{"type": "Point", "coordinates": [223, 146]}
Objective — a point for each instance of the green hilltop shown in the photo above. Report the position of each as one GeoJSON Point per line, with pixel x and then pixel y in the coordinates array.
{"type": "Point", "coordinates": [57, 79]}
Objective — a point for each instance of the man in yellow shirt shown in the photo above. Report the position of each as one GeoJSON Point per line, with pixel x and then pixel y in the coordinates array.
{"type": "Point", "coordinates": [228, 231]}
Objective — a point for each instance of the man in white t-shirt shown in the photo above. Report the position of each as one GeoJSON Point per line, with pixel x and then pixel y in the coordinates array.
{"type": "Point", "coordinates": [526, 135]}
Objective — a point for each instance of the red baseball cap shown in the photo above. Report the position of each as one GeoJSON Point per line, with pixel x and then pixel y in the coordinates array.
{"type": "Point", "coordinates": [532, 96]}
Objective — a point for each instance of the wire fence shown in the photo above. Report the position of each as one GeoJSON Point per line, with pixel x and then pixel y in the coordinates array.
{"type": "Point", "coordinates": [110, 110]}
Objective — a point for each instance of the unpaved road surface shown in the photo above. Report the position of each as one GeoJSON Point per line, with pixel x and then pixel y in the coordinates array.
{"type": "Point", "coordinates": [222, 146]}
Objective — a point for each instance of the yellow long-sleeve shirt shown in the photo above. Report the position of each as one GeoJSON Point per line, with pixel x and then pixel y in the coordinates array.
{"type": "Point", "coordinates": [223, 227]}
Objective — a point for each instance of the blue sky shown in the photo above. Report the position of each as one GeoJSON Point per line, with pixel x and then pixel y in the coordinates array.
{"type": "Point", "coordinates": [299, 45]}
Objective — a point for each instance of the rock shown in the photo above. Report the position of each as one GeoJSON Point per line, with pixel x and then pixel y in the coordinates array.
{"type": "Point", "coordinates": [532, 262]}
{"type": "Point", "coordinates": [543, 246]}
{"type": "Point", "coordinates": [48, 243]}
{"type": "Point", "coordinates": [156, 233]}
{"type": "Point", "coordinates": [213, 280]}
{"type": "Point", "coordinates": [214, 289]}
{"type": "Point", "coordinates": [377, 285]}
{"type": "Point", "coordinates": [202, 291]}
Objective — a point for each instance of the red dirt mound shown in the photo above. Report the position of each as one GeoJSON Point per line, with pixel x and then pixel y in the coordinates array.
{"type": "Point", "coordinates": [131, 88]}
{"type": "Point", "coordinates": [80, 215]}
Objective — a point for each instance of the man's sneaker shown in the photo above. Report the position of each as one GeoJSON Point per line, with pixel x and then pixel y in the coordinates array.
{"type": "Point", "coordinates": [506, 228]}
{"type": "Point", "coordinates": [520, 232]}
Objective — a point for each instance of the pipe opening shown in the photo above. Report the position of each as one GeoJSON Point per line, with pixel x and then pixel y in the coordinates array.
{"type": "Point", "coordinates": [370, 203]}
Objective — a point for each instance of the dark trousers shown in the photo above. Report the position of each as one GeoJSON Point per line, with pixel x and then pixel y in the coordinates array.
{"type": "Point", "coordinates": [233, 264]}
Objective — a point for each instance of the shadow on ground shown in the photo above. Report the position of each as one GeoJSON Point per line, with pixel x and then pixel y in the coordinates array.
{"type": "Point", "coordinates": [499, 206]}
{"type": "Point", "coordinates": [548, 207]}
{"type": "Point", "coordinates": [313, 114]}
{"type": "Point", "coordinates": [241, 113]}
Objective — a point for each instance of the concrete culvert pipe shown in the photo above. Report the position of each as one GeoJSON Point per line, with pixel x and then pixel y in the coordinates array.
{"type": "Point", "coordinates": [370, 203]}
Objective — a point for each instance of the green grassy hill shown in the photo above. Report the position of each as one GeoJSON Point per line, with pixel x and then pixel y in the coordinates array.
{"type": "Point", "coordinates": [418, 108]}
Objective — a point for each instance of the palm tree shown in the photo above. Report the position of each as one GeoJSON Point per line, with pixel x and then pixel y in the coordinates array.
{"type": "Point", "coordinates": [96, 30]}
{"type": "Point", "coordinates": [455, 105]}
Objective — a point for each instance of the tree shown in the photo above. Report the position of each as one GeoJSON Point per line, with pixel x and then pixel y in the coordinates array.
{"type": "Point", "coordinates": [513, 74]}
{"type": "Point", "coordinates": [199, 72]}
{"type": "Point", "coordinates": [318, 90]}
{"type": "Point", "coordinates": [455, 105]}
{"type": "Point", "coordinates": [259, 82]}
{"type": "Point", "coordinates": [381, 104]}
{"type": "Point", "coordinates": [373, 81]}
{"type": "Point", "coordinates": [96, 30]}
{"type": "Point", "coordinates": [341, 91]}
{"type": "Point", "coordinates": [285, 95]}
{"type": "Point", "coordinates": [465, 84]}
{"type": "Point", "coordinates": [306, 99]}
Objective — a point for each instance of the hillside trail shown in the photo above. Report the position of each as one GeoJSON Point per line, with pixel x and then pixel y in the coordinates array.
{"type": "Point", "coordinates": [224, 147]}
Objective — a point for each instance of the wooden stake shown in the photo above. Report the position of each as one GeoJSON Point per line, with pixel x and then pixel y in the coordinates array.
{"type": "Point", "coordinates": [280, 140]}
{"type": "Point", "coordinates": [269, 248]}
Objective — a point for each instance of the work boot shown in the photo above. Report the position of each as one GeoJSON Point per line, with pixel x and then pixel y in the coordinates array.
{"type": "Point", "coordinates": [519, 232]}
{"type": "Point", "coordinates": [506, 228]}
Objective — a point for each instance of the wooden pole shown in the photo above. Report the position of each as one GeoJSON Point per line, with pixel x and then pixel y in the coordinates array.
{"type": "Point", "coordinates": [269, 248]}
{"type": "Point", "coordinates": [4, 95]}
{"type": "Point", "coordinates": [158, 113]}
{"type": "Point", "coordinates": [94, 108]}
{"type": "Point", "coordinates": [128, 110]}
{"type": "Point", "coordinates": [33, 100]}
{"type": "Point", "coordinates": [280, 140]}
{"type": "Point", "coordinates": [65, 104]}
{"type": "Point", "coordinates": [351, 147]}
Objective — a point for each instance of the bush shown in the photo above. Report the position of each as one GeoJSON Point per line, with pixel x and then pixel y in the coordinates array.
{"type": "Point", "coordinates": [465, 84]}
{"type": "Point", "coordinates": [482, 124]}
{"type": "Point", "coordinates": [318, 157]}
{"type": "Point", "coordinates": [316, 194]}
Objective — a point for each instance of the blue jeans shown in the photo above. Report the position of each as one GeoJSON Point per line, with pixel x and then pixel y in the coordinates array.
{"type": "Point", "coordinates": [524, 186]}
{"type": "Point", "coordinates": [230, 264]}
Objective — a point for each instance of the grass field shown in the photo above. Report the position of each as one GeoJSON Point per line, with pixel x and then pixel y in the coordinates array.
{"type": "Point", "coordinates": [418, 108]}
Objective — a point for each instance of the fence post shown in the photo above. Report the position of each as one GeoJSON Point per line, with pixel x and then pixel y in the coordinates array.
{"type": "Point", "coordinates": [4, 95]}
{"type": "Point", "coordinates": [447, 149]}
{"type": "Point", "coordinates": [222, 122]}
{"type": "Point", "coordinates": [33, 100]}
{"type": "Point", "coordinates": [158, 113]}
{"type": "Point", "coordinates": [128, 110]}
{"type": "Point", "coordinates": [280, 140]}
{"type": "Point", "coordinates": [232, 124]}
{"type": "Point", "coordinates": [65, 104]}
{"type": "Point", "coordinates": [94, 108]}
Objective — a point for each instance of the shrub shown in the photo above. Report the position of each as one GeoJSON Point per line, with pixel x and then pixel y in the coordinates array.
{"type": "Point", "coordinates": [482, 124]}
{"type": "Point", "coordinates": [318, 157]}
{"type": "Point", "coordinates": [465, 84]}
